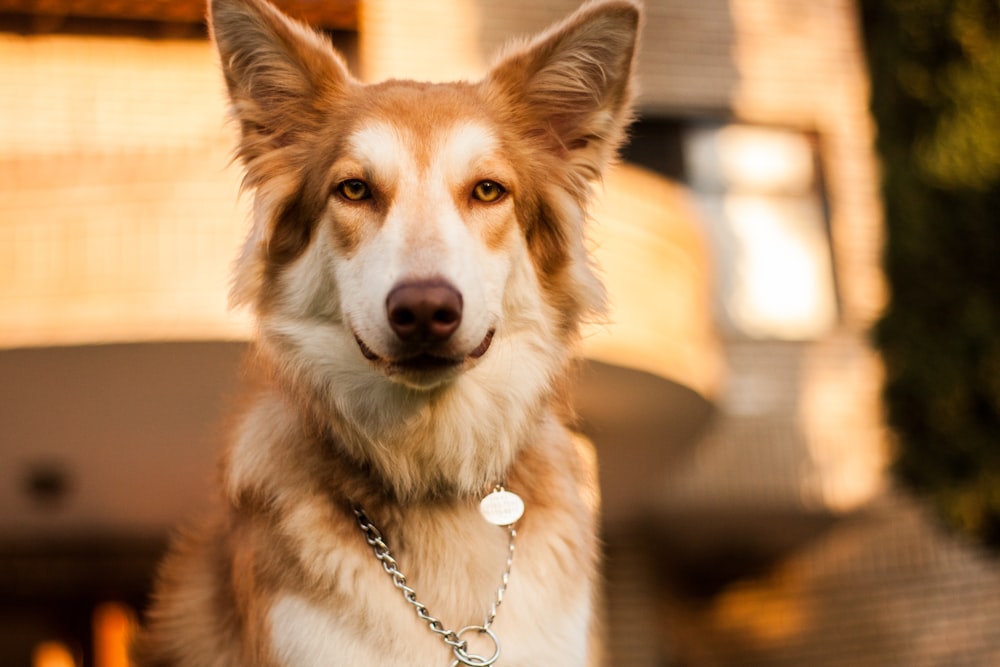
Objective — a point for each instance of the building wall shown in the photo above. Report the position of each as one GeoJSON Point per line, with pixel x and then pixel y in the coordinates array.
{"type": "Point", "coordinates": [118, 211]}
{"type": "Point", "coordinates": [804, 416]}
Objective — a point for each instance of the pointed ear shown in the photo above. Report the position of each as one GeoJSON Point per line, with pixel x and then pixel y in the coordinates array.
{"type": "Point", "coordinates": [573, 83]}
{"type": "Point", "coordinates": [278, 72]}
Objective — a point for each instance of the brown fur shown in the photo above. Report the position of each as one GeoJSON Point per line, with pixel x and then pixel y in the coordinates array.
{"type": "Point", "coordinates": [282, 569]}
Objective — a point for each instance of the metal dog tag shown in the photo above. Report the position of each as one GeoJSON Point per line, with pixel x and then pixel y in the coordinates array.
{"type": "Point", "coordinates": [502, 507]}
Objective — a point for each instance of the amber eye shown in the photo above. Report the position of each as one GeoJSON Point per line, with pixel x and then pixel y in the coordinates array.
{"type": "Point", "coordinates": [488, 191]}
{"type": "Point", "coordinates": [354, 190]}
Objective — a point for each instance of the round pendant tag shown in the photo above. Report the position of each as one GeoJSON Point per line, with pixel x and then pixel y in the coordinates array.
{"type": "Point", "coordinates": [502, 507]}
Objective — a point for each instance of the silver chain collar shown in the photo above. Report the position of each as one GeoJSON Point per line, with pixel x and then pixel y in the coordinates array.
{"type": "Point", "coordinates": [459, 646]}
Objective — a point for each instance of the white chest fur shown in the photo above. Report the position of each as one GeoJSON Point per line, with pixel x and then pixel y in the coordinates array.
{"type": "Point", "coordinates": [304, 634]}
{"type": "Point", "coordinates": [543, 620]}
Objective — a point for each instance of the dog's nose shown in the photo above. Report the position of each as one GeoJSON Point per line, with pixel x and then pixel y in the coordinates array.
{"type": "Point", "coordinates": [424, 311]}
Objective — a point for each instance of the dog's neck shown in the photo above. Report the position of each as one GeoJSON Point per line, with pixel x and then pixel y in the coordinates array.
{"type": "Point", "coordinates": [455, 442]}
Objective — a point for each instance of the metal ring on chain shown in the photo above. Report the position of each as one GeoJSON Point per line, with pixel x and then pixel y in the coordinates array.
{"type": "Point", "coordinates": [462, 655]}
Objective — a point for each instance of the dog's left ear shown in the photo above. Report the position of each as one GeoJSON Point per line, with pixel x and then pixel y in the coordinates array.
{"type": "Point", "coordinates": [574, 84]}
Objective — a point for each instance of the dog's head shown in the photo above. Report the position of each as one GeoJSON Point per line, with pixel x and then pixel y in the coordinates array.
{"type": "Point", "coordinates": [423, 224]}
{"type": "Point", "coordinates": [417, 262]}
{"type": "Point", "coordinates": [416, 220]}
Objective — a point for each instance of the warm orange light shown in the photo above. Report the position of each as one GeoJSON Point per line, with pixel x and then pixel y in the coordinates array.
{"type": "Point", "coordinates": [764, 615]}
{"type": "Point", "coordinates": [119, 216]}
{"type": "Point", "coordinates": [654, 262]}
{"type": "Point", "coordinates": [52, 654]}
{"type": "Point", "coordinates": [113, 626]}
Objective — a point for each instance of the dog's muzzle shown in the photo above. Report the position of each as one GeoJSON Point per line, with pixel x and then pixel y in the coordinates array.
{"type": "Point", "coordinates": [423, 315]}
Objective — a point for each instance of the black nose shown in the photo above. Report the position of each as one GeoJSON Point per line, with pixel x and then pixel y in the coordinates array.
{"type": "Point", "coordinates": [424, 311]}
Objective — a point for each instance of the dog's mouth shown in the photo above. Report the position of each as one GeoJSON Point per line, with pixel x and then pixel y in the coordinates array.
{"type": "Point", "coordinates": [425, 360]}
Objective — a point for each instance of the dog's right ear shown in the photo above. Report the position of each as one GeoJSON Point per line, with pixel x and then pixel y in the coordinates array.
{"type": "Point", "coordinates": [574, 84]}
{"type": "Point", "coordinates": [280, 74]}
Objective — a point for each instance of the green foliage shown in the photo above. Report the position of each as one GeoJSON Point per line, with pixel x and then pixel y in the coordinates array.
{"type": "Point", "coordinates": [935, 67]}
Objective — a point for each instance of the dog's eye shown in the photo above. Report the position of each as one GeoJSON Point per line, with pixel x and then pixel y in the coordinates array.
{"type": "Point", "coordinates": [488, 191]}
{"type": "Point", "coordinates": [354, 189]}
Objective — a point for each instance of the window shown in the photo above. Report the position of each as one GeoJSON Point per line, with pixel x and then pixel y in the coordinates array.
{"type": "Point", "coordinates": [758, 189]}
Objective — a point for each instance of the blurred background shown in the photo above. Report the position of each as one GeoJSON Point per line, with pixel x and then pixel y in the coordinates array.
{"type": "Point", "coordinates": [796, 404]}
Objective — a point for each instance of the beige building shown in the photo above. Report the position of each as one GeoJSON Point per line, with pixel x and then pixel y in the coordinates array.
{"type": "Point", "coordinates": [733, 398]}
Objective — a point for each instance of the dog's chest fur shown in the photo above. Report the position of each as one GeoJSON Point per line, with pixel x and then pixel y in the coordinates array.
{"type": "Point", "coordinates": [453, 560]}
{"type": "Point", "coordinates": [310, 591]}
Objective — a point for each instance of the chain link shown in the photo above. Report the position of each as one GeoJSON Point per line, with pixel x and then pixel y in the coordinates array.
{"type": "Point", "coordinates": [374, 538]}
{"type": "Point", "coordinates": [504, 580]}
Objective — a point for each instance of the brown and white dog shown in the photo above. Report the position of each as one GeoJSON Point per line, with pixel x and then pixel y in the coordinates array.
{"type": "Point", "coordinates": [418, 273]}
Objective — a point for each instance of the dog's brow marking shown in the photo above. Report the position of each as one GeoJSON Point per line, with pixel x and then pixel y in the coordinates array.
{"type": "Point", "coordinates": [466, 145]}
{"type": "Point", "coordinates": [381, 149]}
